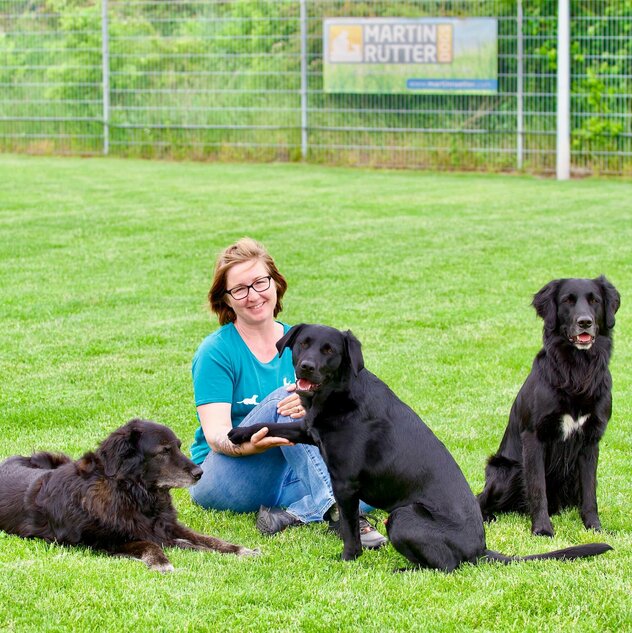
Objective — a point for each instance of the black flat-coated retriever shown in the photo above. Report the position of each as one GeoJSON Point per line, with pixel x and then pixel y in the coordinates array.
{"type": "Point", "coordinates": [547, 459]}
{"type": "Point", "coordinates": [377, 449]}
{"type": "Point", "coordinates": [115, 499]}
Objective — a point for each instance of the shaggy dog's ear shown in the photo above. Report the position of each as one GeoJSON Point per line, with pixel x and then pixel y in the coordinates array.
{"type": "Point", "coordinates": [287, 340]}
{"type": "Point", "coordinates": [545, 304]}
{"type": "Point", "coordinates": [86, 465]}
{"type": "Point", "coordinates": [119, 451]}
{"type": "Point", "coordinates": [353, 350]}
{"type": "Point", "coordinates": [611, 299]}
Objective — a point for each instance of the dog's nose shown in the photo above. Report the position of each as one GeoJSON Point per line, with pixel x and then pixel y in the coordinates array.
{"type": "Point", "coordinates": [584, 322]}
{"type": "Point", "coordinates": [197, 473]}
{"type": "Point", "coordinates": [307, 365]}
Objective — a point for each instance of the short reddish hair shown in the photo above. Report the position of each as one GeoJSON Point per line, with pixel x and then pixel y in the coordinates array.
{"type": "Point", "coordinates": [244, 250]}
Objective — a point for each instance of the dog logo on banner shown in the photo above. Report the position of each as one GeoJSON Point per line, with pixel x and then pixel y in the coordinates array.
{"type": "Point", "coordinates": [345, 43]}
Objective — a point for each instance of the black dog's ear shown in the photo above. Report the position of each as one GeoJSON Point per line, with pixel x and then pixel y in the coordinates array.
{"type": "Point", "coordinates": [119, 451]}
{"type": "Point", "coordinates": [287, 340]}
{"type": "Point", "coordinates": [545, 303]}
{"type": "Point", "coordinates": [353, 349]}
{"type": "Point", "coordinates": [611, 298]}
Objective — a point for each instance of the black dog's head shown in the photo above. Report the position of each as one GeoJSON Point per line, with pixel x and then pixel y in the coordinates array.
{"type": "Point", "coordinates": [578, 310]}
{"type": "Point", "coordinates": [322, 356]}
{"type": "Point", "coordinates": [142, 450]}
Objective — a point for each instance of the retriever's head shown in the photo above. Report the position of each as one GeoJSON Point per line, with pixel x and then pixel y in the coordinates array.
{"type": "Point", "coordinates": [578, 310]}
{"type": "Point", "coordinates": [322, 356]}
{"type": "Point", "coordinates": [145, 451]}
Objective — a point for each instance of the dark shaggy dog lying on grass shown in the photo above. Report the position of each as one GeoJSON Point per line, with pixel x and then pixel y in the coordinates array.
{"type": "Point", "coordinates": [377, 449]}
{"type": "Point", "coordinates": [115, 499]}
{"type": "Point", "coordinates": [547, 459]}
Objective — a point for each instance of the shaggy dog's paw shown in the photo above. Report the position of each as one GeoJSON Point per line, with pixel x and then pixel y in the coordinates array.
{"type": "Point", "coordinates": [244, 551]}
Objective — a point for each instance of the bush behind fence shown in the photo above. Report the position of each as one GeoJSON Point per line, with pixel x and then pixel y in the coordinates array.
{"type": "Point", "coordinates": [222, 79]}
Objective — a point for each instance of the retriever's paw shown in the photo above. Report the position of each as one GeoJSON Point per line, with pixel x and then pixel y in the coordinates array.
{"type": "Point", "coordinates": [543, 530]}
{"type": "Point", "coordinates": [163, 568]}
{"type": "Point", "coordinates": [240, 435]}
{"type": "Point", "coordinates": [351, 554]}
{"type": "Point", "coordinates": [592, 522]}
{"type": "Point", "coordinates": [488, 517]}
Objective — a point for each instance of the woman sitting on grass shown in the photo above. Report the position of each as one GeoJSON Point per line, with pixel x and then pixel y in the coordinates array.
{"type": "Point", "coordinates": [239, 379]}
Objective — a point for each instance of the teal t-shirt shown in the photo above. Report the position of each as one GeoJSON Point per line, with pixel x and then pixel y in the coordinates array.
{"type": "Point", "coordinates": [225, 370]}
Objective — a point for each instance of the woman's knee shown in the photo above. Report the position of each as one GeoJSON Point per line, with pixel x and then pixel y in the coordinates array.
{"type": "Point", "coordinates": [240, 484]}
{"type": "Point", "coordinates": [266, 411]}
{"type": "Point", "coordinates": [276, 396]}
{"type": "Point", "coordinates": [212, 495]}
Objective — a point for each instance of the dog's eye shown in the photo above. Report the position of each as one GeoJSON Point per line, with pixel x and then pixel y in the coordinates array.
{"type": "Point", "coordinates": [592, 300]}
{"type": "Point", "coordinates": [304, 344]}
{"type": "Point", "coordinates": [327, 350]}
{"type": "Point", "coordinates": [568, 299]}
{"type": "Point", "coordinates": [166, 449]}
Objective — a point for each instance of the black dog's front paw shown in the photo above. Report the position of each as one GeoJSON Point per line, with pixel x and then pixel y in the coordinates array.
{"type": "Point", "coordinates": [592, 523]}
{"type": "Point", "coordinates": [543, 530]}
{"type": "Point", "coordinates": [240, 435]}
{"type": "Point", "coordinates": [350, 554]}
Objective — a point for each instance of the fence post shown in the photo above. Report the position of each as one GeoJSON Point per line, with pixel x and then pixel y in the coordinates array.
{"type": "Point", "coordinates": [303, 20]}
{"type": "Point", "coordinates": [519, 89]}
{"type": "Point", "coordinates": [563, 162]}
{"type": "Point", "coordinates": [105, 61]}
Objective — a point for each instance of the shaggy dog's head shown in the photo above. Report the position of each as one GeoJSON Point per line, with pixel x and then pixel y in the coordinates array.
{"type": "Point", "coordinates": [142, 450]}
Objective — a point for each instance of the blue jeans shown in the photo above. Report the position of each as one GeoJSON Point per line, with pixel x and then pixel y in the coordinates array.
{"type": "Point", "coordinates": [293, 477]}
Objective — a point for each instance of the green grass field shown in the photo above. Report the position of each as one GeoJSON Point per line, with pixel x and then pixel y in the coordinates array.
{"type": "Point", "coordinates": [105, 269]}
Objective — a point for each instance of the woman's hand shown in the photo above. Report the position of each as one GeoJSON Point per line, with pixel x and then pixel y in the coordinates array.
{"type": "Point", "coordinates": [215, 420]}
{"type": "Point", "coordinates": [260, 442]}
{"type": "Point", "coordinates": [291, 405]}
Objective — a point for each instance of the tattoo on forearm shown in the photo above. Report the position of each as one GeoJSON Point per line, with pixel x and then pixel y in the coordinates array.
{"type": "Point", "coordinates": [223, 445]}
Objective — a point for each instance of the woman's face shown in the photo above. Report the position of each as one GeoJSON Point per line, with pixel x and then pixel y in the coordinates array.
{"type": "Point", "coordinates": [257, 307]}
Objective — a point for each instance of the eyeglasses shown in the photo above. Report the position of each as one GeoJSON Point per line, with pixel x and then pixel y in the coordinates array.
{"type": "Point", "coordinates": [241, 292]}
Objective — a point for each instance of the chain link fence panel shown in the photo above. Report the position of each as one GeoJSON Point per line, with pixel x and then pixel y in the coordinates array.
{"type": "Point", "coordinates": [243, 80]}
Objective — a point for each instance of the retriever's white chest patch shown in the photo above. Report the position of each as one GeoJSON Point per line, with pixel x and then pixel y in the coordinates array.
{"type": "Point", "coordinates": [570, 424]}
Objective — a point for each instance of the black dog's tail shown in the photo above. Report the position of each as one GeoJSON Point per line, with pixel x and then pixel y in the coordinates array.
{"type": "Point", "coordinates": [569, 553]}
{"type": "Point", "coordinates": [46, 461]}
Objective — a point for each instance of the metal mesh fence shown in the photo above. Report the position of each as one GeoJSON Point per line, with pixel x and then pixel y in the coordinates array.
{"type": "Point", "coordinates": [243, 79]}
{"type": "Point", "coordinates": [202, 79]}
{"type": "Point", "coordinates": [50, 79]}
{"type": "Point", "coordinates": [601, 81]}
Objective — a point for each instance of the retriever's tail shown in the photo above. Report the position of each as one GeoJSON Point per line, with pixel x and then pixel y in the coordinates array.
{"type": "Point", "coordinates": [568, 553]}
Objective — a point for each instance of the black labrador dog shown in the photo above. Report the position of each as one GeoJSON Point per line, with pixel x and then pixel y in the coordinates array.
{"type": "Point", "coordinates": [115, 499]}
{"type": "Point", "coordinates": [377, 449]}
{"type": "Point", "coordinates": [547, 459]}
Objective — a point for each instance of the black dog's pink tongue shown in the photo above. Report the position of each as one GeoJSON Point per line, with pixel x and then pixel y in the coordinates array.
{"type": "Point", "coordinates": [584, 338]}
{"type": "Point", "coordinates": [305, 385]}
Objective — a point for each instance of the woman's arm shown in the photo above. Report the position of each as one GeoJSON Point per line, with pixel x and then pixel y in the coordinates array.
{"type": "Point", "coordinates": [215, 421]}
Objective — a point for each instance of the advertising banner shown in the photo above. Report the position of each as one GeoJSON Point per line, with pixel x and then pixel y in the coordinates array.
{"type": "Point", "coordinates": [404, 56]}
